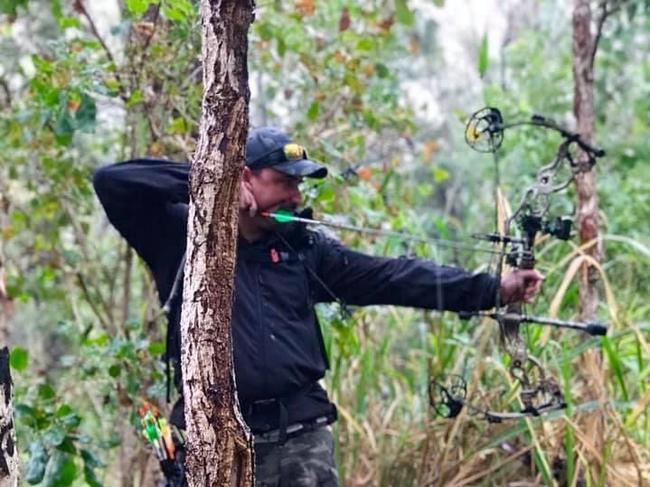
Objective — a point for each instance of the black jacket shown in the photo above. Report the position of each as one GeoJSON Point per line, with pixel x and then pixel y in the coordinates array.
{"type": "Point", "coordinates": [278, 347]}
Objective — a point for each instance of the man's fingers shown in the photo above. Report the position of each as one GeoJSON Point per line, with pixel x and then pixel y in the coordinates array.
{"type": "Point", "coordinates": [521, 285]}
{"type": "Point", "coordinates": [530, 295]}
{"type": "Point", "coordinates": [531, 275]}
{"type": "Point", "coordinates": [532, 290]}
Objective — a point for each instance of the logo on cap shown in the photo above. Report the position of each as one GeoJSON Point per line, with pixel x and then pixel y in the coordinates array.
{"type": "Point", "coordinates": [294, 152]}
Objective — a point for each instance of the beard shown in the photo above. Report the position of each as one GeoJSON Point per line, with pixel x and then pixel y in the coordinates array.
{"type": "Point", "coordinates": [293, 229]}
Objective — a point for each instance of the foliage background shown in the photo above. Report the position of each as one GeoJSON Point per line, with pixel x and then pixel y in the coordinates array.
{"type": "Point", "coordinates": [380, 91]}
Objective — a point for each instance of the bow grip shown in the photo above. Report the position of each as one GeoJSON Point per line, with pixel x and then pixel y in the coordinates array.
{"type": "Point", "coordinates": [596, 329]}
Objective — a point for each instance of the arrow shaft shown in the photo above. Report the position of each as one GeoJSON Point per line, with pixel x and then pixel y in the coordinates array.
{"type": "Point", "coordinates": [384, 233]}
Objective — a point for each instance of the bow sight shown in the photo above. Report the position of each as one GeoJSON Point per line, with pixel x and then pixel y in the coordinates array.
{"type": "Point", "coordinates": [538, 392]}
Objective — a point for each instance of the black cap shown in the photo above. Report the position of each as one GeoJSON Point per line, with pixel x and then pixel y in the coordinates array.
{"type": "Point", "coordinates": [271, 147]}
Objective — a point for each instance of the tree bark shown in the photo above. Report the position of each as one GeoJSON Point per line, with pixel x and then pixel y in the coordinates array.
{"type": "Point", "coordinates": [5, 302]}
{"type": "Point", "coordinates": [583, 109]}
{"type": "Point", "coordinates": [219, 445]}
{"type": "Point", "coordinates": [8, 453]}
{"type": "Point", "coordinates": [588, 214]}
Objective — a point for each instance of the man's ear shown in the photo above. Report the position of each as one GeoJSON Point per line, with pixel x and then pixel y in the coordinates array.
{"type": "Point", "coordinates": [246, 174]}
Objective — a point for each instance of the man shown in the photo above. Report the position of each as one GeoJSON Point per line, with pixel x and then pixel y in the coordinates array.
{"type": "Point", "coordinates": [282, 271]}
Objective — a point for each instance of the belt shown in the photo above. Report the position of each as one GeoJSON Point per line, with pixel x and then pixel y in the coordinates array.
{"type": "Point", "coordinates": [292, 430]}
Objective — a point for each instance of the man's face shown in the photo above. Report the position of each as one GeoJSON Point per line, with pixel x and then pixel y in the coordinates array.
{"type": "Point", "coordinates": [274, 190]}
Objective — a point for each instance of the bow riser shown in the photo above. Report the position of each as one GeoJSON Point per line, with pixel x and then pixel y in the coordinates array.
{"type": "Point", "coordinates": [484, 133]}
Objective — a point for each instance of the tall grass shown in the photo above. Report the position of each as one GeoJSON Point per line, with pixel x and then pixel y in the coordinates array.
{"type": "Point", "coordinates": [383, 359]}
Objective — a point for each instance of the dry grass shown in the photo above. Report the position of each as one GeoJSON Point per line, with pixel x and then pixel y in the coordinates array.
{"type": "Point", "coordinates": [387, 436]}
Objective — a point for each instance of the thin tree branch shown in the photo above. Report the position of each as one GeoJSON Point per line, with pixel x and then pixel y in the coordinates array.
{"type": "Point", "coordinates": [604, 14]}
{"type": "Point", "coordinates": [80, 7]}
{"type": "Point", "coordinates": [126, 290]}
{"type": "Point", "coordinates": [155, 13]}
{"type": "Point", "coordinates": [91, 302]}
{"type": "Point", "coordinates": [7, 91]}
{"type": "Point", "coordinates": [80, 237]}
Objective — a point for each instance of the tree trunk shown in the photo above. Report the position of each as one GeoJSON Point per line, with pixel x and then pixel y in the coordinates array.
{"type": "Point", "coordinates": [5, 302]}
{"type": "Point", "coordinates": [583, 109]}
{"type": "Point", "coordinates": [8, 453]}
{"type": "Point", "coordinates": [588, 217]}
{"type": "Point", "coordinates": [219, 445]}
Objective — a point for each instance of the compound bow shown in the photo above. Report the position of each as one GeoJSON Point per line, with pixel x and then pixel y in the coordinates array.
{"type": "Point", "coordinates": [484, 133]}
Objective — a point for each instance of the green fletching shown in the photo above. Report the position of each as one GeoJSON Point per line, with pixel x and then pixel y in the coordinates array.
{"type": "Point", "coordinates": [283, 216]}
{"type": "Point", "coordinates": [151, 431]}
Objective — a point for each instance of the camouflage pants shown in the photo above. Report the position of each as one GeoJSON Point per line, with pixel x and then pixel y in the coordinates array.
{"type": "Point", "coordinates": [306, 460]}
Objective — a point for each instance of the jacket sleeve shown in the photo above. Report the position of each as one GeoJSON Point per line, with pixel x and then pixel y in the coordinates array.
{"type": "Point", "coordinates": [146, 201]}
{"type": "Point", "coordinates": [360, 279]}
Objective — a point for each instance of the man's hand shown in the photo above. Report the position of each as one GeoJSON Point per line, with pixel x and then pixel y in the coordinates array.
{"type": "Point", "coordinates": [520, 285]}
{"type": "Point", "coordinates": [246, 199]}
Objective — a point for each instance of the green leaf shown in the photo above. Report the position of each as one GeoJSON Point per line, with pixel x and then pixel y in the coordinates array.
{"type": "Point", "coordinates": [178, 126]}
{"type": "Point", "coordinates": [71, 257]}
{"type": "Point", "coordinates": [42, 65]}
{"type": "Point", "coordinates": [616, 365]}
{"type": "Point", "coordinates": [177, 10]}
{"type": "Point", "coordinates": [71, 421]}
{"type": "Point", "coordinates": [61, 470]}
{"type": "Point", "coordinates": [55, 7]}
{"type": "Point", "coordinates": [113, 85]}
{"type": "Point", "coordinates": [99, 341]}
{"type": "Point", "coordinates": [91, 478]}
{"type": "Point", "coordinates": [46, 392]}
{"type": "Point", "coordinates": [86, 114]}
{"type": "Point", "coordinates": [403, 13]}
{"type": "Point", "coordinates": [382, 70]}
{"type": "Point", "coordinates": [18, 358]}
{"type": "Point", "coordinates": [114, 370]}
{"type": "Point", "coordinates": [264, 30]}
{"type": "Point", "coordinates": [483, 56]}
{"type": "Point", "coordinates": [64, 125]}
{"type": "Point", "coordinates": [63, 410]}
{"type": "Point", "coordinates": [90, 459]}
{"type": "Point", "coordinates": [282, 46]}
{"type": "Point", "coordinates": [366, 44]}
{"type": "Point", "coordinates": [54, 436]}
{"type": "Point", "coordinates": [69, 23]}
{"type": "Point", "coordinates": [439, 174]}
{"type": "Point", "coordinates": [134, 99]}
{"type": "Point", "coordinates": [24, 410]}
{"type": "Point", "coordinates": [371, 119]}
{"type": "Point", "coordinates": [63, 139]}
{"type": "Point", "coordinates": [68, 446]}
{"type": "Point", "coordinates": [38, 458]}
{"type": "Point", "coordinates": [10, 7]}
{"type": "Point", "coordinates": [351, 79]}
{"type": "Point", "coordinates": [313, 111]}
{"type": "Point", "coordinates": [138, 7]}
{"type": "Point", "coordinates": [156, 348]}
